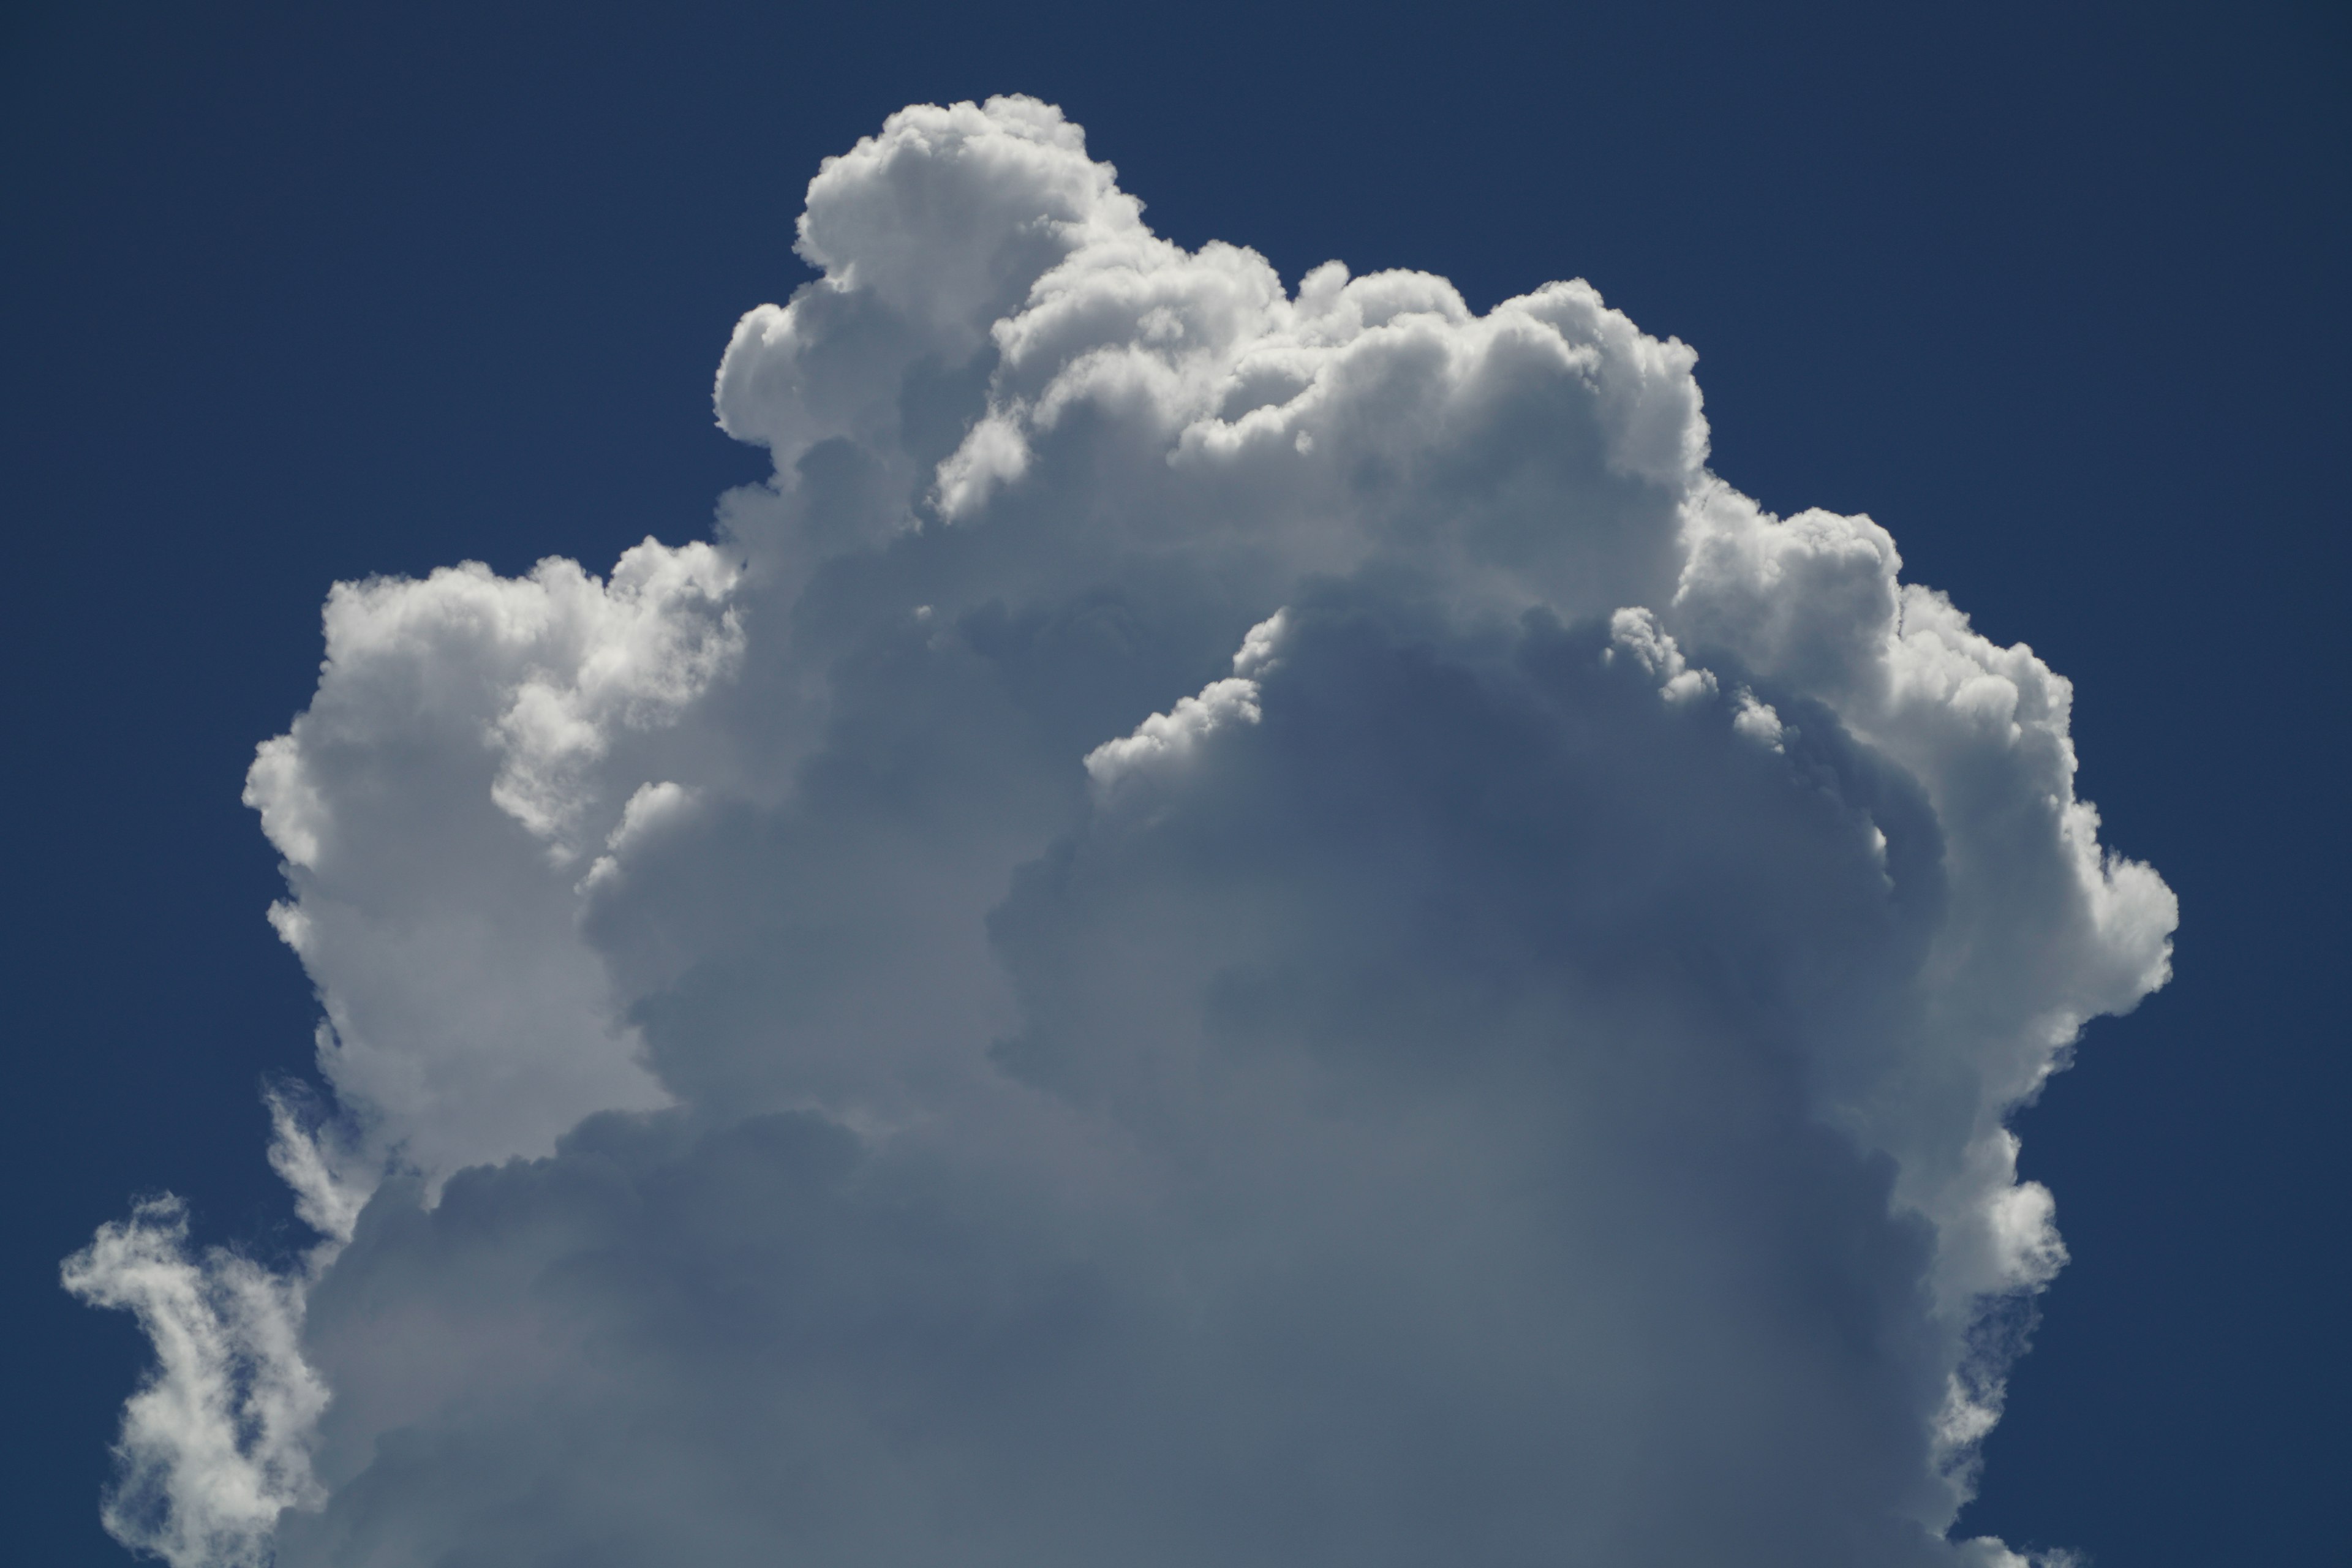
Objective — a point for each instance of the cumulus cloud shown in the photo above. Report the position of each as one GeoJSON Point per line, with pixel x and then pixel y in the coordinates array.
{"type": "Point", "coordinates": [1228, 924]}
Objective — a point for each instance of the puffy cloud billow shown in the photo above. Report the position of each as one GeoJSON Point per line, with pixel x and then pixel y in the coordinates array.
{"type": "Point", "coordinates": [1227, 925]}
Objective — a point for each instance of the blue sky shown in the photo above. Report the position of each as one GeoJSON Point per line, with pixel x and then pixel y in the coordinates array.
{"type": "Point", "coordinates": [2051, 294]}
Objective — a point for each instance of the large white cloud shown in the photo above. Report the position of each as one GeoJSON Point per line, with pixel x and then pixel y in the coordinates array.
{"type": "Point", "coordinates": [1228, 926]}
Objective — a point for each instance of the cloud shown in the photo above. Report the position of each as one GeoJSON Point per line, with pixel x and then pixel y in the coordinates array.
{"type": "Point", "coordinates": [217, 1443]}
{"type": "Point", "coordinates": [1228, 924]}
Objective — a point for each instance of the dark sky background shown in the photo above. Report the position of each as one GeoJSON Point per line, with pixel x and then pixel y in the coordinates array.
{"type": "Point", "coordinates": [291, 293]}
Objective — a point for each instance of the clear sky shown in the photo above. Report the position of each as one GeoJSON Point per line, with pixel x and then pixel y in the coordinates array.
{"type": "Point", "coordinates": [2052, 293]}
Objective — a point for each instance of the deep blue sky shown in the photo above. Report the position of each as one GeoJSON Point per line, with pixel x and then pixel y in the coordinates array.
{"type": "Point", "coordinates": [291, 293]}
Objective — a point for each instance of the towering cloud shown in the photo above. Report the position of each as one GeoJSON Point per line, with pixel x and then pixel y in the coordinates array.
{"type": "Point", "coordinates": [1227, 925]}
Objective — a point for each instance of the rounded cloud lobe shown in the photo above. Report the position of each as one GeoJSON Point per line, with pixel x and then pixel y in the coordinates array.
{"type": "Point", "coordinates": [1227, 925]}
